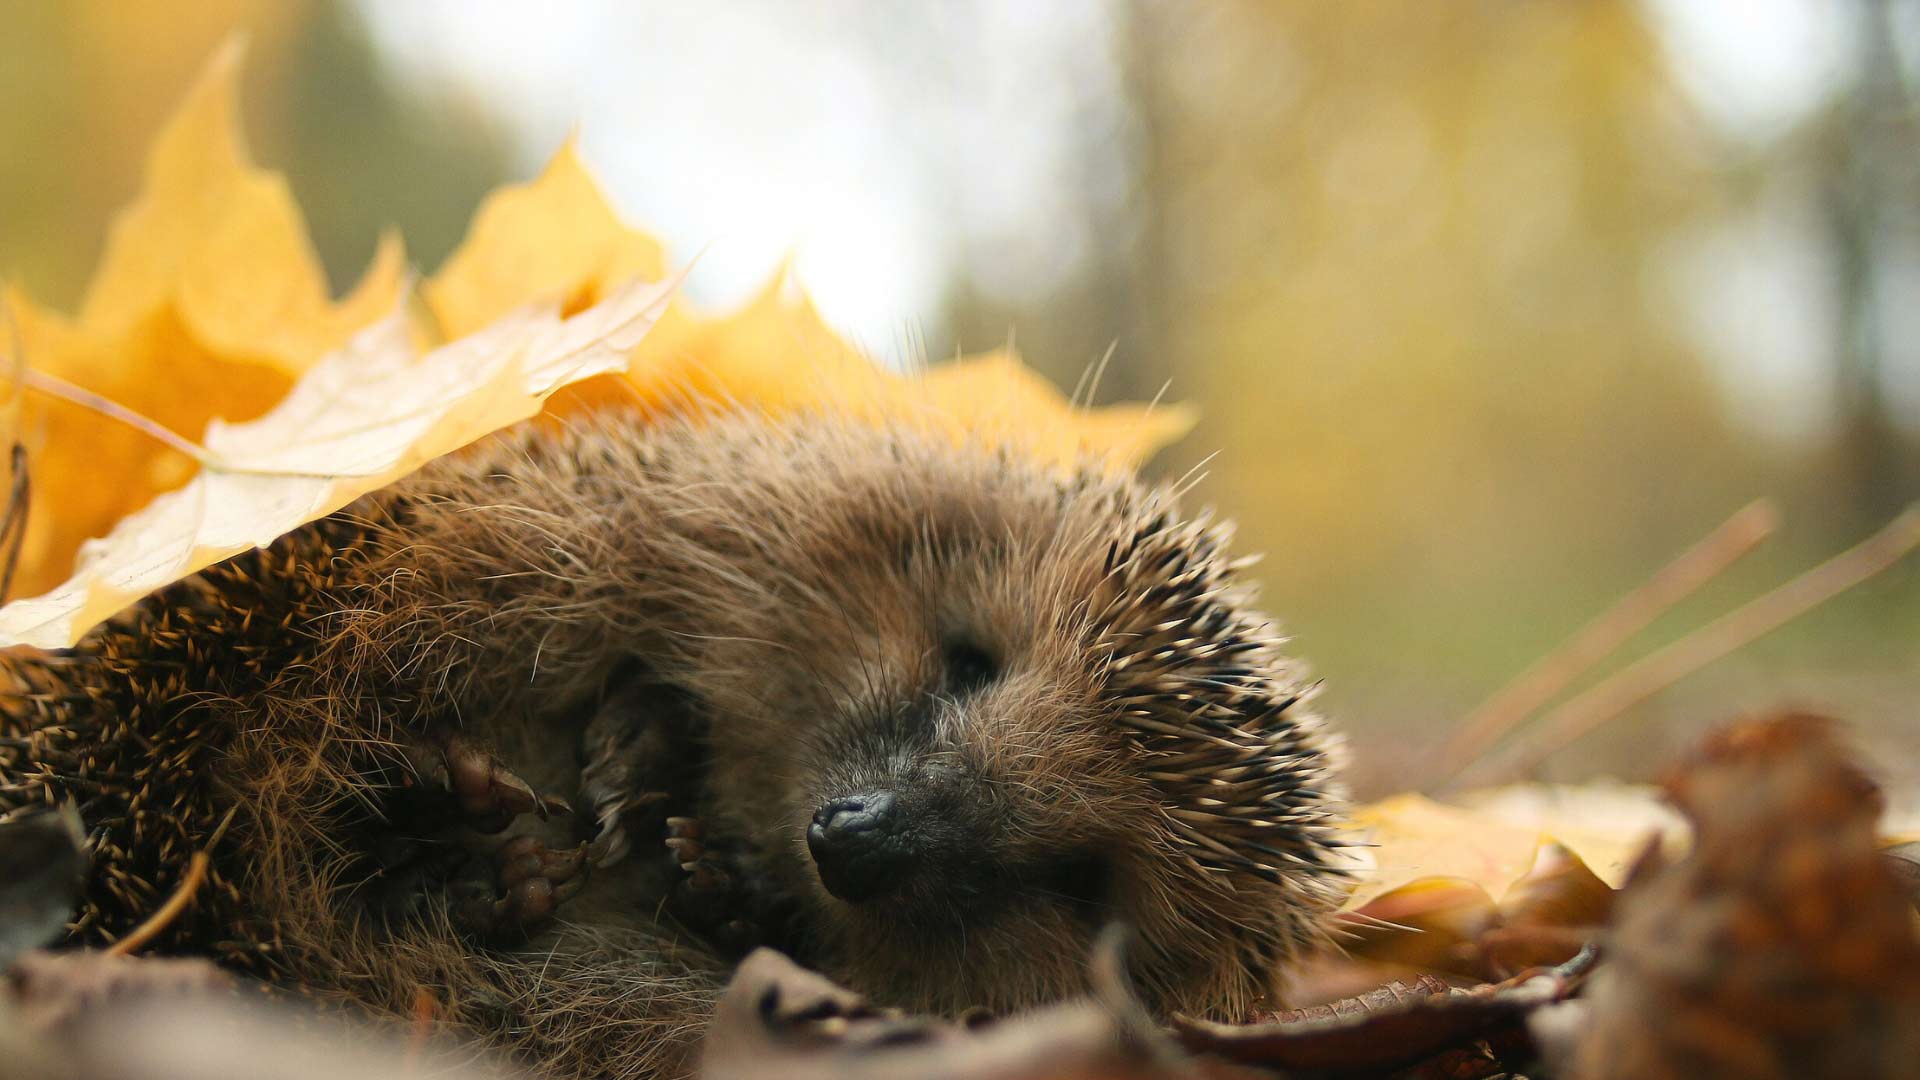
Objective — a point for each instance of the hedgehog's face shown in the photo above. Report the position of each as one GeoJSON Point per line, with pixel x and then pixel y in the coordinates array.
{"type": "Point", "coordinates": [984, 718]}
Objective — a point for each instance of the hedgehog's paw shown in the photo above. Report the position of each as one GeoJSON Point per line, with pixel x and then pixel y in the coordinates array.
{"type": "Point", "coordinates": [517, 888]}
{"type": "Point", "coordinates": [437, 839]}
{"type": "Point", "coordinates": [634, 753]}
{"type": "Point", "coordinates": [712, 897]}
{"type": "Point", "coordinates": [488, 794]}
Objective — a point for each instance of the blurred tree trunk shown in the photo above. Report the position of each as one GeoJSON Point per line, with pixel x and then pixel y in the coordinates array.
{"type": "Point", "coordinates": [1874, 215]}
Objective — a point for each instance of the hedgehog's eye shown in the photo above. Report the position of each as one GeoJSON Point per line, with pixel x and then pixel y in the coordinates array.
{"type": "Point", "coordinates": [968, 666]}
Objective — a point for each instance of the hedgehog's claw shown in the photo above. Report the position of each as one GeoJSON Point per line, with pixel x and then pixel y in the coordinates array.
{"type": "Point", "coordinates": [710, 898]}
{"type": "Point", "coordinates": [529, 881]}
{"type": "Point", "coordinates": [490, 795]}
{"type": "Point", "coordinates": [611, 841]}
{"type": "Point", "coordinates": [634, 751]}
{"type": "Point", "coordinates": [707, 875]}
{"type": "Point", "coordinates": [683, 840]}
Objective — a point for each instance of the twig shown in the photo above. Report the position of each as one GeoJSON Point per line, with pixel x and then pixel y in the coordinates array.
{"type": "Point", "coordinates": [13, 521]}
{"type": "Point", "coordinates": [1536, 686]}
{"type": "Point", "coordinates": [13, 524]}
{"type": "Point", "coordinates": [169, 911]}
{"type": "Point", "coordinates": [1651, 674]}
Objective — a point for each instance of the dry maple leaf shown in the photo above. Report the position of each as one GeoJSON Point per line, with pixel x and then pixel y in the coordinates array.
{"type": "Point", "coordinates": [208, 302]}
{"type": "Point", "coordinates": [1404, 1031]}
{"type": "Point", "coordinates": [555, 239]}
{"type": "Point", "coordinates": [1491, 844]}
{"type": "Point", "coordinates": [1425, 897]}
{"type": "Point", "coordinates": [558, 240]}
{"type": "Point", "coordinates": [775, 354]}
{"type": "Point", "coordinates": [365, 416]}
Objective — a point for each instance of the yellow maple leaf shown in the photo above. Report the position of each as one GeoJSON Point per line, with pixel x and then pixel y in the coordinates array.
{"type": "Point", "coordinates": [208, 302]}
{"type": "Point", "coordinates": [1492, 841]}
{"type": "Point", "coordinates": [558, 239]}
{"type": "Point", "coordinates": [1415, 838]}
{"type": "Point", "coordinates": [362, 418]}
{"type": "Point", "coordinates": [775, 353]}
{"type": "Point", "coordinates": [555, 239]}
{"type": "Point", "coordinates": [223, 244]}
{"type": "Point", "coordinates": [996, 396]}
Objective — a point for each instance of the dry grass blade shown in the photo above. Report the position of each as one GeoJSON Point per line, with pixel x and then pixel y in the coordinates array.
{"type": "Point", "coordinates": [1536, 686]}
{"type": "Point", "coordinates": [1744, 624]}
{"type": "Point", "coordinates": [169, 911]}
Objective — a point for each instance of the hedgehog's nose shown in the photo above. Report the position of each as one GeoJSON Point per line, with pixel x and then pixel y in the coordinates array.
{"type": "Point", "coordinates": [859, 846]}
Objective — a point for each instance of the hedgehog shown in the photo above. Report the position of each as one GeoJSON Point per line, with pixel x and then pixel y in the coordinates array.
{"type": "Point", "coordinates": [549, 733]}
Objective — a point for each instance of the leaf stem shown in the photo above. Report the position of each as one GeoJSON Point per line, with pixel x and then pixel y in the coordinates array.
{"type": "Point", "coordinates": [1655, 672]}
{"type": "Point", "coordinates": [58, 387]}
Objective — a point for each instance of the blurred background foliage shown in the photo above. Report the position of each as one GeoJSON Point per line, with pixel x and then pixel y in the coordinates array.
{"type": "Point", "coordinates": [1490, 307]}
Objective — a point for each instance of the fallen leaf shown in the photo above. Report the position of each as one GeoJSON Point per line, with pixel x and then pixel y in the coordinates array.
{"type": "Point", "coordinates": [223, 243]}
{"type": "Point", "coordinates": [774, 354]}
{"type": "Point", "coordinates": [362, 418]}
{"type": "Point", "coordinates": [559, 240]}
{"type": "Point", "coordinates": [1605, 823]}
{"type": "Point", "coordinates": [1425, 899]}
{"type": "Point", "coordinates": [1394, 1028]}
{"type": "Point", "coordinates": [208, 302]}
{"type": "Point", "coordinates": [779, 1021]}
{"type": "Point", "coordinates": [996, 397]}
{"type": "Point", "coordinates": [1558, 890]}
{"type": "Point", "coordinates": [1496, 836]}
{"type": "Point", "coordinates": [1413, 837]}
{"type": "Point", "coordinates": [556, 240]}
{"type": "Point", "coordinates": [1781, 944]}
{"type": "Point", "coordinates": [1429, 924]}
{"type": "Point", "coordinates": [777, 355]}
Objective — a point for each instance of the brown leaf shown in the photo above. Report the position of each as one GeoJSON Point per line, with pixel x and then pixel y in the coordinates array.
{"type": "Point", "coordinates": [1547, 916]}
{"type": "Point", "coordinates": [1782, 945]}
{"type": "Point", "coordinates": [779, 1021]}
{"type": "Point", "coordinates": [1395, 1028]}
{"type": "Point", "coordinates": [1380, 998]}
{"type": "Point", "coordinates": [1904, 861]}
{"type": "Point", "coordinates": [1426, 925]}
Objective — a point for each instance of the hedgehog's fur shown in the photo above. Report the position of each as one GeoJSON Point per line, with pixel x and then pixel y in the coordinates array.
{"type": "Point", "coordinates": [794, 581]}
